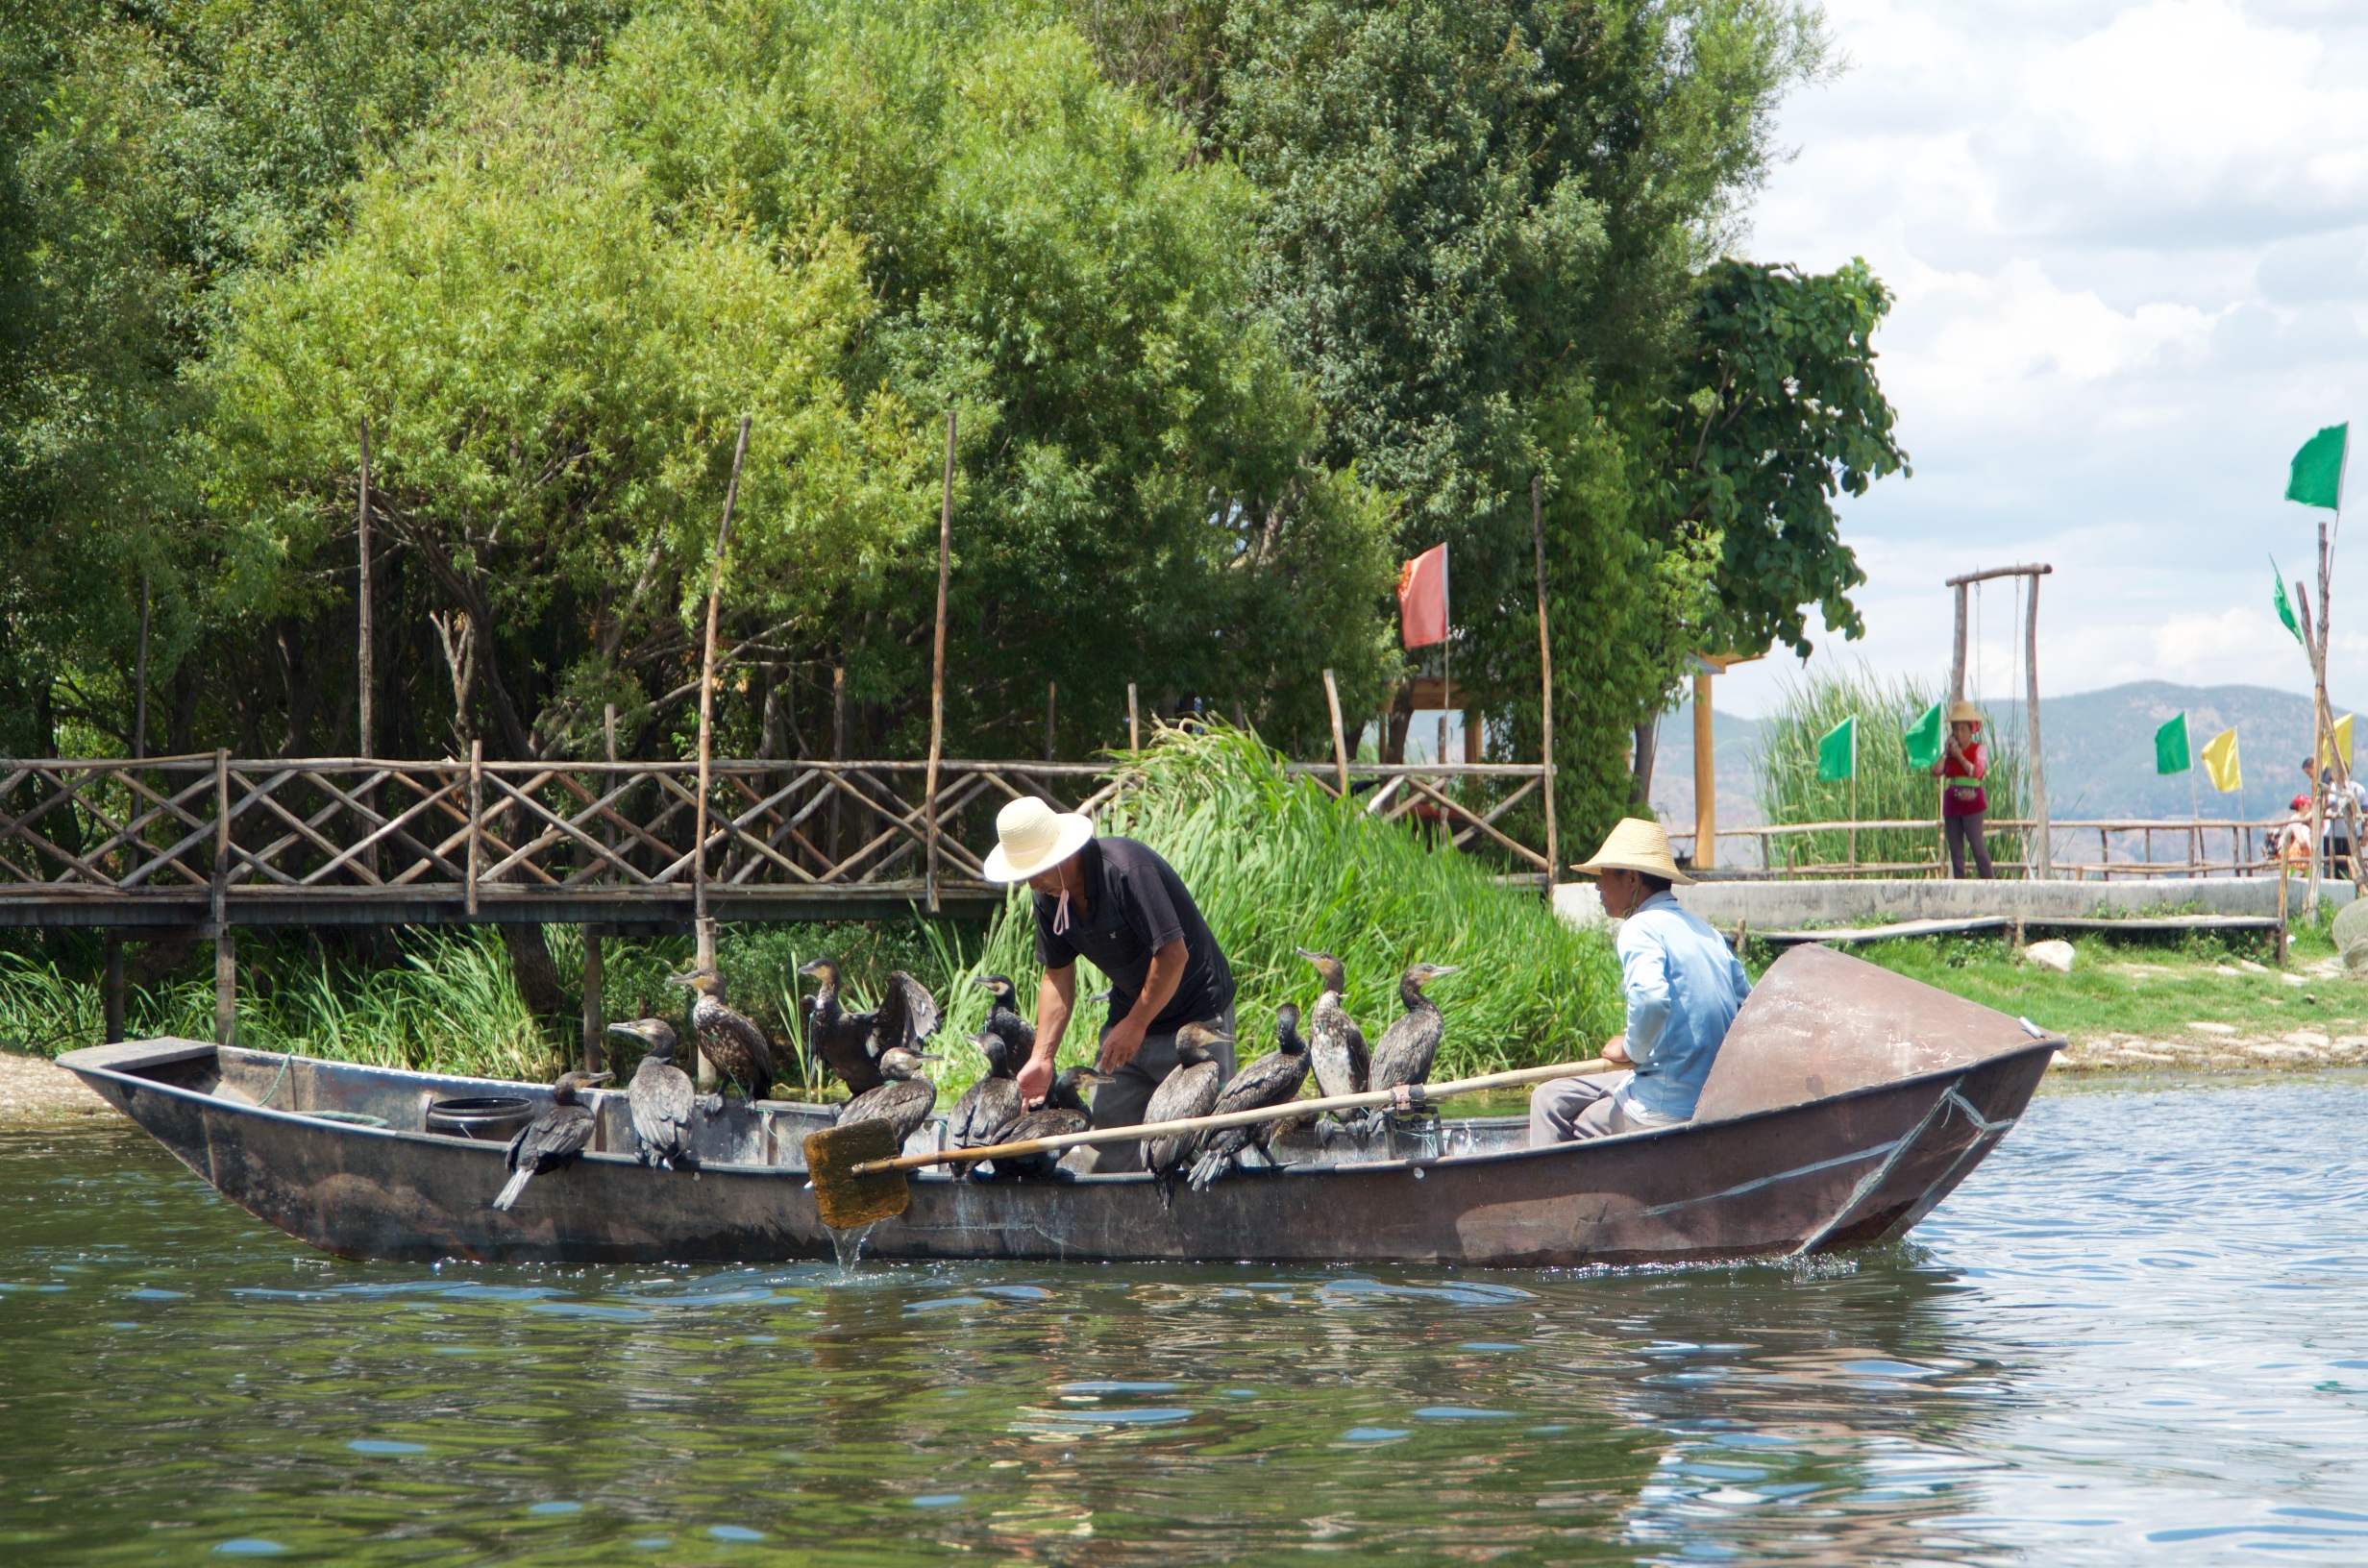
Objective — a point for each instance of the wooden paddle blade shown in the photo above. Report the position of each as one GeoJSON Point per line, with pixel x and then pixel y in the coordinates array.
{"type": "Point", "coordinates": [845, 1200]}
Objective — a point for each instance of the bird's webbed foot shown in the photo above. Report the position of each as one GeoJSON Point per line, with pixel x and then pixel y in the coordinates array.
{"type": "Point", "coordinates": [711, 1104]}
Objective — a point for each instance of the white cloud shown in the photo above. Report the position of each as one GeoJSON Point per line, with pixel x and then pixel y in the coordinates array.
{"type": "Point", "coordinates": [2129, 248]}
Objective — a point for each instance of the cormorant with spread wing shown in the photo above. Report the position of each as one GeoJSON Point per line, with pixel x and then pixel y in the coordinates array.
{"type": "Point", "coordinates": [661, 1097]}
{"type": "Point", "coordinates": [553, 1139]}
{"type": "Point", "coordinates": [730, 1040]}
{"type": "Point", "coordinates": [1273, 1079]}
{"type": "Point", "coordinates": [851, 1045]}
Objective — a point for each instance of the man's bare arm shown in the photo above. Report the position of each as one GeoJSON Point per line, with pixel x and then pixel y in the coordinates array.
{"type": "Point", "coordinates": [1055, 999]}
{"type": "Point", "coordinates": [1119, 1045]}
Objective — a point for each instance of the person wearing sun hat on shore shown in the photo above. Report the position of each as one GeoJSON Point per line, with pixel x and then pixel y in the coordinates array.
{"type": "Point", "coordinates": [1683, 986]}
{"type": "Point", "coordinates": [1118, 903]}
{"type": "Point", "coordinates": [1962, 765]}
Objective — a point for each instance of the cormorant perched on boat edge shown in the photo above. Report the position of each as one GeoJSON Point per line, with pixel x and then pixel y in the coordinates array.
{"type": "Point", "coordinates": [1335, 1050]}
{"type": "Point", "coordinates": [1004, 1020]}
{"type": "Point", "coordinates": [1406, 1049]}
{"type": "Point", "coordinates": [903, 1102]}
{"type": "Point", "coordinates": [1063, 1112]}
{"type": "Point", "coordinates": [991, 1104]}
{"type": "Point", "coordinates": [661, 1097]}
{"type": "Point", "coordinates": [551, 1139]}
{"type": "Point", "coordinates": [730, 1040]}
{"type": "Point", "coordinates": [1273, 1079]}
{"type": "Point", "coordinates": [1189, 1091]}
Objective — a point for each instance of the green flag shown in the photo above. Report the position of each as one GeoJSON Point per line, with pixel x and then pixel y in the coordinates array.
{"type": "Point", "coordinates": [1837, 752]}
{"type": "Point", "coordinates": [2171, 746]}
{"type": "Point", "coordinates": [1923, 739]}
{"type": "Point", "coordinates": [2317, 479]}
{"type": "Point", "coordinates": [2285, 605]}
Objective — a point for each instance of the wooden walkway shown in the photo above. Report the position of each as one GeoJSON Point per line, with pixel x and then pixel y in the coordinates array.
{"type": "Point", "coordinates": [213, 842]}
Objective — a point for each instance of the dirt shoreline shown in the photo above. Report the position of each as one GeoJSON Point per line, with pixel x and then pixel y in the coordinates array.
{"type": "Point", "coordinates": [35, 1091]}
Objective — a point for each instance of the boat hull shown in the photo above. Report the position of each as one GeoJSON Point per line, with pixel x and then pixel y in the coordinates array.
{"type": "Point", "coordinates": [1846, 1170]}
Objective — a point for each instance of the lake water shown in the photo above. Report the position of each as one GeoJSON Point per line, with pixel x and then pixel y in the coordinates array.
{"type": "Point", "coordinates": [2140, 1334]}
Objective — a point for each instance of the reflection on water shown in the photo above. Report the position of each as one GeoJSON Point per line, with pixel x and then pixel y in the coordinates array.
{"type": "Point", "coordinates": [2139, 1334]}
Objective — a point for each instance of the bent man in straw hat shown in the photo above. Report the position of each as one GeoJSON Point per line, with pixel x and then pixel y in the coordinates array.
{"type": "Point", "coordinates": [1115, 902]}
{"type": "Point", "coordinates": [1684, 987]}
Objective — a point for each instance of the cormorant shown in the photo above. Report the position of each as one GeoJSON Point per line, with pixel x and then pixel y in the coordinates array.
{"type": "Point", "coordinates": [1003, 1019]}
{"type": "Point", "coordinates": [1335, 1045]}
{"type": "Point", "coordinates": [1063, 1112]}
{"type": "Point", "coordinates": [1273, 1079]}
{"type": "Point", "coordinates": [661, 1097]}
{"type": "Point", "coordinates": [903, 1102]}
{"type": "Point", "coordinates": [1189, 1091]}
{"type": "Point", "coordinates": [990, 1105]}
{"type": "Point", "coordinates": [851, 1045]}
{"type": "Point", "coordinates": [732, 1041]}
{"type": "Point", "coordinates": [551, 1139]}
{"type": "Point", "coordinates": [1409, 1043]}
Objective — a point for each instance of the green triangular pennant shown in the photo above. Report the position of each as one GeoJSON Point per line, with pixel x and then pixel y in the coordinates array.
{"type": "Point", "coordinates": [2285, 605]}
{"type": "Point", "coordinates": [1837, 752]}
{"type": "Point", "coordinates": [2317, 476]}
{"type": "Point", "coordinates": [2171, 746]}
{"type": "Point", "coordinates": [1923, 739]}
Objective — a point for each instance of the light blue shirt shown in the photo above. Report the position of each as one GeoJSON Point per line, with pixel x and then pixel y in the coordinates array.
{"type": "Point", "coordinates": [1684, 987]}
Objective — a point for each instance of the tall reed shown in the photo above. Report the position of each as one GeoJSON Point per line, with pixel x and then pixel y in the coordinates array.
{"type": "Point", "coordinates": [1888, 788]}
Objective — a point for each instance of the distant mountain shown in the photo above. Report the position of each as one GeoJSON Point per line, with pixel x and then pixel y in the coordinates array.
{"type": "Point", "coordinates": [2100, 752]}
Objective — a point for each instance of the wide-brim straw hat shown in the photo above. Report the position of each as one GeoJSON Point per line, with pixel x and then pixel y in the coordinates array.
{"type": "Point", "coordinates": [1032, 838]}
{"type": "Point", "coordinates": [1963, 712]}
{"type": "Point", "coordinates": [1636, 846]}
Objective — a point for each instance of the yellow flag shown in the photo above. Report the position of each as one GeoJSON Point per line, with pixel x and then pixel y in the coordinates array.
{"type": "Point", "coordinates": [2220, 764]}
{"type": "Point", "coordinates": [2341, 746]}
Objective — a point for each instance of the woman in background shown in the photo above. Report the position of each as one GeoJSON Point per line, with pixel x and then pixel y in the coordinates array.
{"type": "Point", "coordinates": [1964, 763]}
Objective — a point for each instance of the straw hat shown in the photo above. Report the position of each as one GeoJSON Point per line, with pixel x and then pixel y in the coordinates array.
{"type": "Point", "coordinates": [1635, 845]}
{"type": "Point", "coordinates": [1963, 712]}
{"type": "Point", "coordinates": [1031, 837]}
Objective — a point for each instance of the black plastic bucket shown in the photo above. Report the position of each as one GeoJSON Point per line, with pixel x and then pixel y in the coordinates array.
{"type": "Point", "coordinates": [488, 1118]}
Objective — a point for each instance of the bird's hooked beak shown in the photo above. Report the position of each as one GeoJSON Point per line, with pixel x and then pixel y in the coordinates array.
{"type": "Point", "coordinates": [813, 970]}
{"type": "Point", "coordinates": [1304, 953]}
{"type": "Point", "coordinates": [982, 983]}
{"type": "Point", "coordinates": [1439, 971]}
{"type": "Point", "coordinates": [632, 1029]}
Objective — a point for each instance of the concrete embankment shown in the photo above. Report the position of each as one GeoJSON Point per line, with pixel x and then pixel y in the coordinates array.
{"type": "Point", "coordinates": [1787, 905]}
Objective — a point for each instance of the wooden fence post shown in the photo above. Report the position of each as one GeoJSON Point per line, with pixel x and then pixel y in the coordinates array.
{"type": "Point", "coordinates": [477, 798]}
{"type": "Point", "coordinates": [225, 946]}
{"type": "Point", "coordinates": [1340, 736]}
{"type": "Point", "coordinates": [937, 662]}
{"type": "Point", "coordinates": [364, 674]}
{"type": "Point", "coordinates": [112, 999]}
{"type": "Point", "coordinates": [1134, 721]}
{"type": "Point", "coordinates": [594, 1024]}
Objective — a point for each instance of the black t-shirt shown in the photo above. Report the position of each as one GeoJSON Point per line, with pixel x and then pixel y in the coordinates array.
{"type": "Point", "coordinates": [1134, 905]}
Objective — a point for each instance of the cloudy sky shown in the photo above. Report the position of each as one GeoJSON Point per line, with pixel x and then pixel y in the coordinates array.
{"type": "Point", "coordinates": [2129, 248]}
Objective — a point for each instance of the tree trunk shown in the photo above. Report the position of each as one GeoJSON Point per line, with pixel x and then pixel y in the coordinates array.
{"type": "Point", "coordinates": [537, 976]}
{"type": "Point", "coordinates": [1401, 720]}
{"type": "Point", "coordinates": [1640, 792]}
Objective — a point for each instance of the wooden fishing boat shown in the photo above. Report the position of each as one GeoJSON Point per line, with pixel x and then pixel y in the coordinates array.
{"type": "Point", "coordinates": [1845, 1103]}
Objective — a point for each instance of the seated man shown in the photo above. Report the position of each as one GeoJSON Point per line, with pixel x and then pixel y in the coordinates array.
{"type": "Point", "coordinates": [1684, 987]}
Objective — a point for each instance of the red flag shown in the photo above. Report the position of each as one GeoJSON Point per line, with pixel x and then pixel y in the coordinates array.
{"type": "Point", "coordinates": [1422, 597]}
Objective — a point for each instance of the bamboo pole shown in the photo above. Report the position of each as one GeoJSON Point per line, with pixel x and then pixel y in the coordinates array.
{"type": "Point", "coordinates": [139, 702]}
{"type": "Point", "coordinates": [111, 997]}
{"type": "Point", "coordinates": [704, 928]}
{"type": "Point", "coordinates": [937, 660]}
{"type": "Point", "coordinates": [365, 674]}
{"type": "Point", "coordinates": [593, 1023]}
{"type": "Point", "coordinates": [2043, 853]}
{"type": "Point", "coordinates": [1134, 721]}
{"type": "Point", "coordinates": [225, 946]}
{"type": "Point", "coordinates": [1052, 692]}
{"type": "Point", "coordinates": [477, 797]}
{"type": "Point", "coordinates": [1545, 679]}
{"type": "Point", "coordinates": [1340, 735]}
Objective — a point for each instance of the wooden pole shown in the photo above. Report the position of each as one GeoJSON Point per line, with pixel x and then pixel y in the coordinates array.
{"type": "Point", "coordinates": [366, 670]}
{"type": "Point", "coordinates": [111, 999]}
{"type": "Point", "coordinates": [1957, 662]}
{"type": "Point", "coordinates": [1704, 780]}
{"type": "Point", "coordinates": [139, 701]}
{"type": "Point", "coordinates": [937, 661]}
{"type": "Point", "coordinates": [225, 946]}
{"type": "Point", "coordinates": [2043, 853]}
{"type": "Point", "coordinates": [699, 923]}
{"type": "Point", "coordinates": [838, 750]}
{"type": "Point", "coordinates": [1134, 721]}
{"type": "Point", "coordinates": [477, 798]}
{"type": "Point", "coordinates": [594, 1025]}
{"type": "Point", "coordinates": [1340, 735]}
{"type": "Point", "coordinates": [1545, 679]}
{"type": "Point", "coordinates": [1052, 692]}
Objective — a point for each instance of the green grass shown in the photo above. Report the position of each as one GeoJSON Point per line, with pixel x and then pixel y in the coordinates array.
{"type": "Point", "coordinates": [2139, 988]}
{"type": "Point", "coordinates": [1273, 861]}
